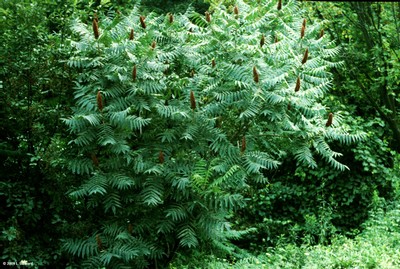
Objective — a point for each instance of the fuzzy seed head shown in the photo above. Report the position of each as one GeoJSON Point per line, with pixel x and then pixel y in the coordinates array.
{"type": "Point", "coordinates": [330, 119]}
{"type": "Point", "coordinates": [134, 73]}
{"type": "Point", "coordinates": [303, 30]}
{"type": "Point", "coordinates": [99, 243]}
{"type": "Point", "coordinates": [95, 25]}
{"type": "Point", "coordinates": [95, 161]}
{"type": "Point", "coordinates": [99, 99]}
{"type": "Point", "coordinates": [236, 10]}
{"type": "Point", "coordinates": [262, 41]}
{"type": "Point", "coordinates": [305, 57]}
{"type": "Point", "coordinates": [255, 75]}
{"type": "Point", "coordinates": [142, 22]}
{"type": "Point", "coordinates": [161, 157]}
{"type": "Point", "coordinates": [279, 7]}
{"type": "Point", "coordinates": [131, 35]}
{"type": "Point", "coordinates": [208, 16]}
{"type": "Point", "coordinates": [243, 147]}
{"type": "Point", "coordinates": [192, 101]}
{"type": "Point", "coordinates": [171, 18]}
{"type": "Point", "coordinates": [297, 88]}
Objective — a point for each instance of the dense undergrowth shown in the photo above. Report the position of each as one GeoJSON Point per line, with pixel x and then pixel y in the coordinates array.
{"type": "Point", "coordinates": [376, 246]}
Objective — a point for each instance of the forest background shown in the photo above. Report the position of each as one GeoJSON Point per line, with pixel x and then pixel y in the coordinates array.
{"type": "Point", "coordinates": [208, 145]}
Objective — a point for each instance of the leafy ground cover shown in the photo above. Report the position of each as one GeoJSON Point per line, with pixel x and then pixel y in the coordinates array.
{"type": "Point", "coordinates": [377, 246]}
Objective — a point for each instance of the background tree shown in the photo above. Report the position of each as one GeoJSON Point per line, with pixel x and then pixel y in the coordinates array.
{"type": "Point", "coordinates": [369, 34]}
{"type": "Point", "coordinates": [34, 96]}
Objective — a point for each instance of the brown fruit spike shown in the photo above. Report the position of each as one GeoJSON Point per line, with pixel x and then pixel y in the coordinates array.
{"type": "Point", "coordinates": [213, 63]}
{"type": "Point", "coordinates": [161, 157]}
{"type": "Point", "coordinates": [243, 148]}
{"type": "Point", "coordinates": [192, 101]}
{"type": "Point", "coordinates": [236, 11]}
{"type": "Point", "coordinates": [153, 44]}
{"type": "Point", "coordinates": [130, 228]}
{"type": "Point", "coordinates": [297, 88]}
{"type": "Point", "coordinates": [99, 101]}
{"type": "Point", "coordinates": [305, 57]}
{"type": "Point", "coordinates": [99, 243]}
{"type": "Point", "coordinates": [279, 7]}
{"type": "Point", "coordinates": [142, 23]}
{"type": "Point", "coordinates": [330, 119]}
{"type": "Point", "coordinates": [171, 18]}
{"type": "Point", "coordinates": [262, 41]}
{"type": "Point", "coordinates": [276, 39]}
{"type": "Point", "coordinates": [321, 34]}
{"type": "Point", "coordinates": [208, 16]}
{"type": "Point", "coordinates": [131, 35]}
{"type": "Point", "coordinates": [134, 71]}
{"type": "Point", "coordinates": [95, 29]}
{"type": "Point", "coordinates": [255, 75]}
{"type": "Point", "coordinates": [95, 161]}
{"type": "Point", "coordinates": [303, 30]}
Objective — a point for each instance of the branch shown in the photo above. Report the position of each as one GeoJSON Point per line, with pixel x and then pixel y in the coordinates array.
{"type": "Point", "coordinates": [370, 98]}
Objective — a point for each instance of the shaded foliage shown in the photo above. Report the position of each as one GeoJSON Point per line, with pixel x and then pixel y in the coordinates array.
{"type": "Point", "coordinates": [370, 36]}
{"type": "Point", "coordinates": [34, 96]}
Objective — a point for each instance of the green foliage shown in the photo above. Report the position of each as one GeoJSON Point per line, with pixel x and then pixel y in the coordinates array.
{"type": "Point", "coordinates": [296, 201]}
{"type": "Point", "coordinates": [369, 35]}
{"type": "Point", "coordinates": [171, 127]}
{"type": "Point", "coordinates": [376, 247]}
{"type": "Point", "coordinates": [173, 6]}
{"type": "Point", "coordinates": [310, 206]}
{"type": "Point", "coordinates": [212, 136]}
{"type": "Point", "coordinates": [34, 95]}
